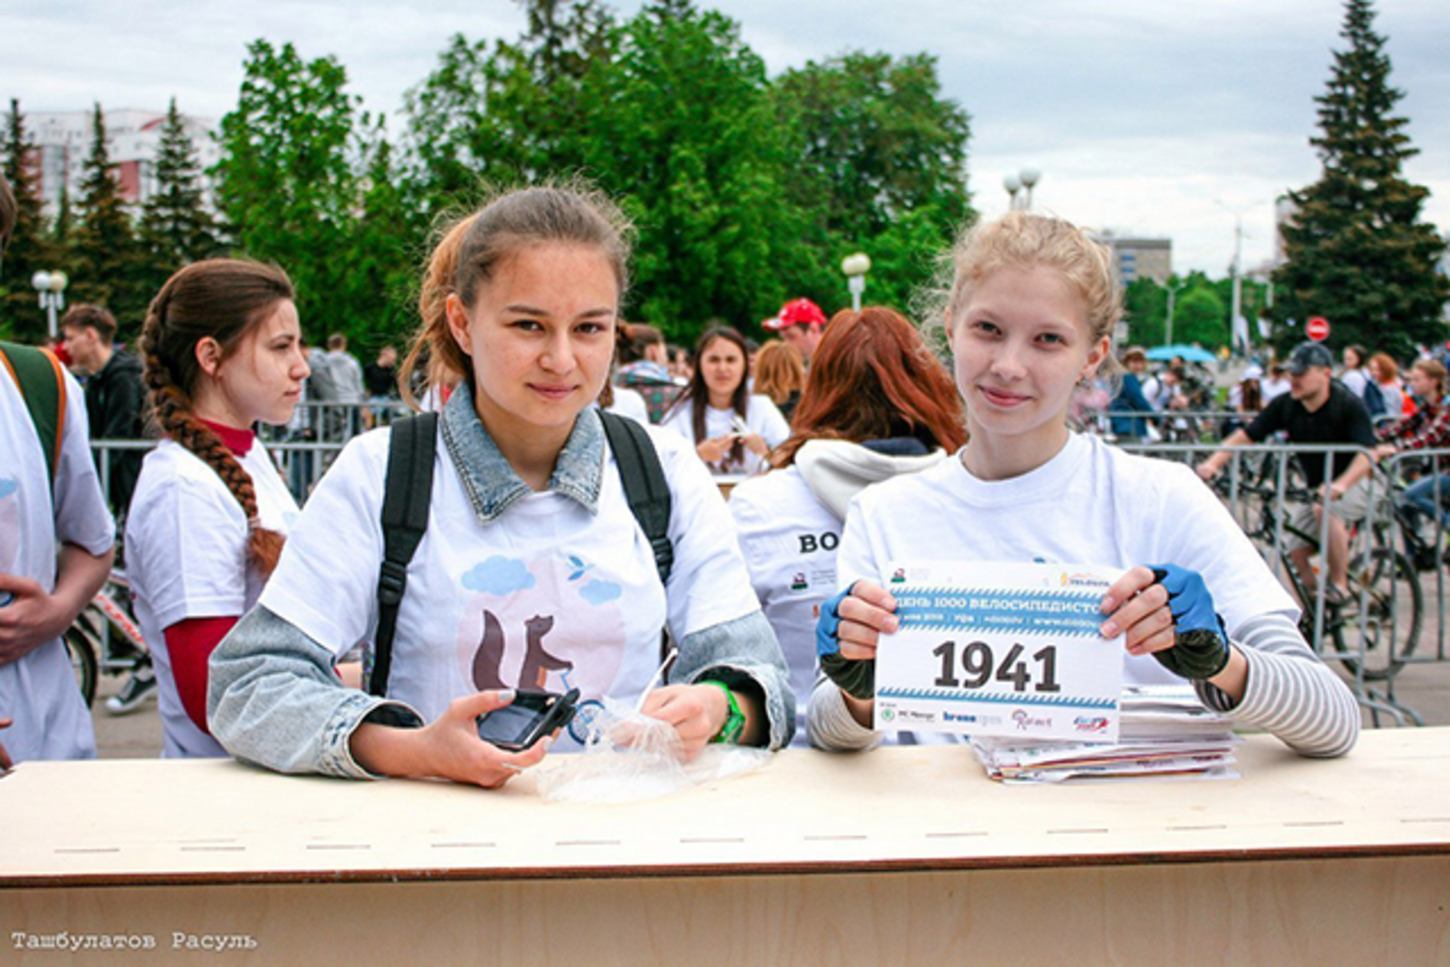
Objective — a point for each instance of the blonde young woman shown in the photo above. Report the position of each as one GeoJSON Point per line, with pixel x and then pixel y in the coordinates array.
{"type": "Point", "coordinates": [1029, 318]}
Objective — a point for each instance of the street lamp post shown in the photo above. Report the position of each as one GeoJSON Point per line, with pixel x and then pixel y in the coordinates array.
{"type": "Point", "coordinates": [1173, 291]}
{"type": "Point", "coordinates": [1030, 177]}
{"type": "Point", "coordinates": [1013, 184]}
{"type": "Point", "coordinates": [1022, 182]}
{"type": "Point", "coordinates": [51, 287]}
{"type": "Point", "coordinates": [1236, 269]}
{"type": "Point", "coordinates": [856, 266]}
{"type": "Point", "coordinates": [1236, 313]}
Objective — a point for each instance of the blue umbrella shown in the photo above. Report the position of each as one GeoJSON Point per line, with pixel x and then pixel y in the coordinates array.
{"type": "Point", "coordinates": [1190, 354]}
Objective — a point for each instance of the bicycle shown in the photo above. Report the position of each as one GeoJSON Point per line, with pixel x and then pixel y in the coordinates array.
{"type": "Point", "coordinates": [1424, 554]}
{"type": "Point", "coordinates": [105, 638]}
{"type": "Point", "coordinates": [1379, 577]}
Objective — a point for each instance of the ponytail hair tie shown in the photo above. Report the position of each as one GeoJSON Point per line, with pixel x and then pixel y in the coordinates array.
{"type": "Point", "coordinates": [254, 523]}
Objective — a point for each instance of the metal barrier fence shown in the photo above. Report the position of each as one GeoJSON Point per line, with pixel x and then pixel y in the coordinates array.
{"type": "Point", "coordinates": [301, 463]}
{"type": "Point", "coordinates": [1394, 616]}
{"type": "Point", "coordinates": [1173, 426]}
{"type": "Point", "coordinates": [1397, 568]}
{"type": "Point", "coordinates": [1168, 426]}
{"type": "Point", "coordinates": [304, 447]}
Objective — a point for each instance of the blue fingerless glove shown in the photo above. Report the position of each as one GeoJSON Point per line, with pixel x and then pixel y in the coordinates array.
{"type": "Point", "coordinates": [856, 678]}
{"type": "Point", "coordinates": [1200, 648]}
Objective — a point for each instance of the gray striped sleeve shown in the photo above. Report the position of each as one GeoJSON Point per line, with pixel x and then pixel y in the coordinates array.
{"type": "Point", "coordinates": [829, 723]}
{"type": "Point", "coordinates": [1290, 693]}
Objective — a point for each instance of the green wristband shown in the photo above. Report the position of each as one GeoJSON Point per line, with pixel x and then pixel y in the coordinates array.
{"type": "Point", "coordinates": [734, 718]}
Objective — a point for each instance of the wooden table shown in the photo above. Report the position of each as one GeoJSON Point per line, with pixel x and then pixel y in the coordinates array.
{"type": "Point", "coordinates": [904, 855]}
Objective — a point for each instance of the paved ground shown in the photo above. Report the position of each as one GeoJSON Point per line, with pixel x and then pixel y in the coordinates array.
{"type": "Point", "coordinates": [1424, 688]}
{"type": "Point", "coordinates": [134, 736]}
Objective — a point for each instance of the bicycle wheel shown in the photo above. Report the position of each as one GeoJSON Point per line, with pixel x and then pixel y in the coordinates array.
{"type": "Point", "coordinates": [82, 662]}
{"type": "Point", "coordinates": [1389, 623]}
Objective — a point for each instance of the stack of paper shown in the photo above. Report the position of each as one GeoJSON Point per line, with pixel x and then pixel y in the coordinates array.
{"type": "Point", "coordinates": [1164, 731]}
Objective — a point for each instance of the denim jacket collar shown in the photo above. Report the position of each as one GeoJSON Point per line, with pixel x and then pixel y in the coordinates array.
{"type": "Point", "coordinates": [491, 483]}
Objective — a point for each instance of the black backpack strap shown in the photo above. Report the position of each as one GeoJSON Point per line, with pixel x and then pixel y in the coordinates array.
{"type": "Point", "coordinates": [645, 486]}
{"type": "Point", "coordinates": [406, 495]}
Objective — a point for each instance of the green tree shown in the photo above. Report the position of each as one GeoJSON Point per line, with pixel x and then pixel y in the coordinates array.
{"type": "Point", "coordinates": [285, 183]}
{"type": "Point", "coordinates": [1357, 251]}
{"type": "Point", "coordinates": [30, 248]}
{"type": "Point", "coordinates": [880, 166]}
{"type": "Point", "coordinates": [64, 223]}
{"type": "Point", "coordinates": [448, 131]}
{"type": "Point", "coordinates": [385, 247]}
{"type": "Point", "coordinates": [682, 128]}
{"type": "Point", "coordinates": [104, 251]}
{"type": "Point", "coordinates": [539, 101]}
{"type": "Point", "coordinates": [510, 113]}
{"type": "Point", "coordinates": [1200, 316]}
{"type": "Point", "coordinates": [176, 226]}
{"type": "Point", "coordinates": [1145, 304]}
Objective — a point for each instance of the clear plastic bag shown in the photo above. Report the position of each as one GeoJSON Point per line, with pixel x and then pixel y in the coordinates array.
{"type": "Point", "coordinates": [629, 757]}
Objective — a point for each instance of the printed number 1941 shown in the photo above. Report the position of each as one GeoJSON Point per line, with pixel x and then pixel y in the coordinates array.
{"type": "Point", "coordinates": [978, 663]}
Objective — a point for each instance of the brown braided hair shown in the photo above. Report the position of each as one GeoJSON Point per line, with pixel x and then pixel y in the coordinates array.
{"type": "Point", "coordinates": [224, 299]}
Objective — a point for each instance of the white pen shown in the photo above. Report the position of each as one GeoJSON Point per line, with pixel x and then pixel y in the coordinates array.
{"type": "Point", "coordinates": [658, 677]}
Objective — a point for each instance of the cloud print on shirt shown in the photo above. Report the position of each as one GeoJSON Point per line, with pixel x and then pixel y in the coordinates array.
{"type": "Point", "coordinates": [500, 576]}
{"type": "Point", "coordinates": [600, 592]}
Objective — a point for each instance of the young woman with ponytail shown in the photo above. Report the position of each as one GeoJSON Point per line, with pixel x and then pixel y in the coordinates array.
{"type": "Point", "coordinates": [533, 572]}
{"type": "Point", "coordinates": [222, 352]}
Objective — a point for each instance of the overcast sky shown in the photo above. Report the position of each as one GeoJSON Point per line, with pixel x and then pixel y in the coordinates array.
{"type": "Point", "coordinates": [1145, 117]}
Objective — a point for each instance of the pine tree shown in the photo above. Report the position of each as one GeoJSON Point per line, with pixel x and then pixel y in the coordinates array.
{"type": "Point", "coordinates": [1357, 252]}
{"type": "Point", "coordinates": [107, 268]}
{"type": "Point", "coordinates": [64, 224]}
{"type": "Point", "coordinates": [30, 250]}
{"type": "Point", "coordinates": [176, 227]}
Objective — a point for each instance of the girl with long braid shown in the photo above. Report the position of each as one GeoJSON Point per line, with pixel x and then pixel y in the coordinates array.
{"type": "Point", "coordinates": [222, 352]}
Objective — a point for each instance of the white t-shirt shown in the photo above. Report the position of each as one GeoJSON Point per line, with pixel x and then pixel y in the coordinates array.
{"type": "Point", "coordinates": [186, 556]}
{"type": "Point", "coordinates": [1090, 504]}
{"type": "Point", "coordinates": [629, 403]}
{"type": "Point", "coordinates": [547, 595]}
{"type": "Point", "coordinates": [789, 540]}
{"type": "Point", "coordinates": [1158, 392]}
{"type": "Point", "coordinates": [1270, 388]}
{"type": "Point", "coordinates": [39, 690]}
{"type": "Point", "coordinates": [761, 416]}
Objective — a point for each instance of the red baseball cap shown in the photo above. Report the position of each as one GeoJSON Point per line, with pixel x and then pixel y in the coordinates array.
{"type": "Point", "coordinates": [797, 312]}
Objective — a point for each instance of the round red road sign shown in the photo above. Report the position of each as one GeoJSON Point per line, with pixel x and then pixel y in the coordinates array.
{"type": "Point", "coordinates": [1317, 329]}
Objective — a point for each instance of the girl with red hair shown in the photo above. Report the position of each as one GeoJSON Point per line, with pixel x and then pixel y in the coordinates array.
{"type": "Point", "coordinates": [876, 404]}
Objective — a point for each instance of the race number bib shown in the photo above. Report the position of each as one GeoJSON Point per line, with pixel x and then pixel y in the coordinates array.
{"type": "Point", "coordinates": [1000, 649]}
